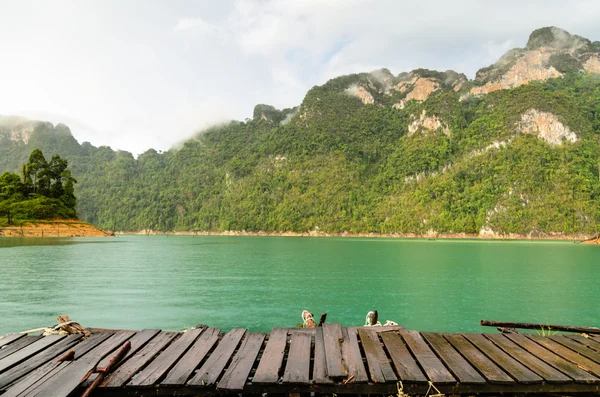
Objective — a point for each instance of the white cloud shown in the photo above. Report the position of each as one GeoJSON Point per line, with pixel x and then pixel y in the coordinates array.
{"type": "Point", "coordinates": [154, 79]}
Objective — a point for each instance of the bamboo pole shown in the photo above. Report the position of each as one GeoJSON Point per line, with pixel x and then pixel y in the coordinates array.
{"type": "Point", "coordinates": [541, 327]}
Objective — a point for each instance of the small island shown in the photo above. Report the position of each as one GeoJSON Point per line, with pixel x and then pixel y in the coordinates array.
{"type": "Point", "coordinates": [41, 201]}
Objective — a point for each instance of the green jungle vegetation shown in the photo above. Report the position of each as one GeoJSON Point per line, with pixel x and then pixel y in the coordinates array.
{"type": "Point", "coordinates": [335, 164]}
{"type": "Point", "coordinates": [45, 190]}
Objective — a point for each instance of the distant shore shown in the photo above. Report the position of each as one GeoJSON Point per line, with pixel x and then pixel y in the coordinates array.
{"type": "Point", "coordinates": [431, 236]}
{"type": "Point", "coordinates": [53, 228]}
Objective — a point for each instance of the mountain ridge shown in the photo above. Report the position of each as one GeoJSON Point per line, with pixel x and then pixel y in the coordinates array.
{"type": "Point", "coordinates": [418, 152]}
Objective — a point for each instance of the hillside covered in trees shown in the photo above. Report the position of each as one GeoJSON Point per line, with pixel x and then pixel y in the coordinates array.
{"type": "Point", "coordinates": [515, 150]}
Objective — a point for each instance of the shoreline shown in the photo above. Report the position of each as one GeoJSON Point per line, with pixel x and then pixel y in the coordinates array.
{"type": "Point", "coordinates": [55, 228]}
{"type": "Point", "coordinates": [582, 238]}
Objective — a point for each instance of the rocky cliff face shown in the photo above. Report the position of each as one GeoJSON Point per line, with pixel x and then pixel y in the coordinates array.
{"type": "Point", "coordinates": [16, 129]}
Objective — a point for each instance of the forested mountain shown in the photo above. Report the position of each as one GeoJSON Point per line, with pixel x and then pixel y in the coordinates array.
{"type": "Point", "coordinates": [516, 150]}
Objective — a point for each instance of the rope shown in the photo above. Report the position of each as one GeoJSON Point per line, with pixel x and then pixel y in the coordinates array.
{"type": "Point", "coordinates": [431, 385]}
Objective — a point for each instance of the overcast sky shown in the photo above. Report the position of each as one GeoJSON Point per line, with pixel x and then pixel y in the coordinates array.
{"type": "Point", "coordinates": [135, 74]}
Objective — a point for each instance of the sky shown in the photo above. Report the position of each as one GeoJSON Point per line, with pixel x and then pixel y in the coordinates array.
{"type": "Point", "coordinates": [140, 74]}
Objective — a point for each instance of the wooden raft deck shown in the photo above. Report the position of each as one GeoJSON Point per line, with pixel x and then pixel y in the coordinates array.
{"type": "Point", "coordinates": [330, 359]}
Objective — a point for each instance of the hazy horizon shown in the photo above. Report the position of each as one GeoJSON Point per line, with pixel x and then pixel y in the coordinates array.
{"type": "Point", "coordinates": [147, 74]}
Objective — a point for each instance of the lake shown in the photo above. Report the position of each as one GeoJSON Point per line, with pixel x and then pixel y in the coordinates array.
{"type": "Point", "coordinates": [137, 282]}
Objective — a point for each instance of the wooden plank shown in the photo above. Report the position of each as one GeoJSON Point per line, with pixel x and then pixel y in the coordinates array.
{"type": "Point", "coordinates": [568, 354]}
{"type": "Point", "coordinates": [298, 362]}
{"type": "Point", "coordinates": [320, 362]}
{"type": "Point", "coordinates": [554, 360]}
{"type": "Point", "coordinates": [514, 368]}
{"type": "Point", "coordinates": [269, 366]}
{"type": "Point", "coordinates": [90, 343]}
{"type": "Point", "coordinates": [406, 366]}
{"type": "Point", "coordinates": [549, 373]}
{"type": "Point", "coordinates": [192, 358]}
{"type": "Point", "coordinates": [578, 347]}
{"type": "Point", "coordinates": [237, 374]}
{"type": "Point", "coordinates": [352, 357]}
{"type": "Point", "coordinates": [10, 338]}
{"type": "Point", "coordinates": [106, 347]}
{"type": "Point", "coordinates": [590, 343]}
{"type": "Point", "coordinates": [332, 336]}
{"type": "Point", "coordinates": [486, 367]}
{"type": "Point", "coordinates": [28, 366]}
{"type": "Point", "coordinates": [28, 351]}
{"type": "Point", "coordinates": [34, 381]}
{"type": "Point", "coordinates": [433, 367]}
{"type": "Point", "coordinates": [210, 371]}
{"type": "Point", "coordinates": [165, 360]}
{"type": "Point", "coordinates": [380, 368]}
{"type": "Point", "coordinates": [126, 371]}
{"type": "Point", "coordinates": [68, 379]}
{"type": "Point", "coordinates": [18, 345]}
{"type": "Point", "coordinates": [462, 370]}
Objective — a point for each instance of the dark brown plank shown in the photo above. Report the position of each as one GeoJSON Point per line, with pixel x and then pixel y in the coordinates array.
{"type": "Point", "coordinates": [592, 344]}
{"type": "Point", "coordinates": [462, 370]}
{"type": "Point", "coordinates": [28, 351]}
{"type": "Point", "coordinates": [90, 343]}
{"type": "Point", "coordinates": [433, 367]}
{"type": "Point", "coordinates": [332, 336]}
{"type": "Point", "coordinates": [556, 361]}
{"type": "Point", "coordinates": [18, 345]}
{"type": "Point", "coordinates": [122, 375]}
{"type": "Point", "coordinates": [10, 338]}
{"type": "Point", "coordinates": [320, 363]}
{"type": "Point", "coordinates": [380, 369]}
{"type": "Point", "coordinates": [406, 366]}
{"type": "Point", "coordinates": [269, 367]}
{"type": "Point", "coordinates": [568, 354]}
{"type": "Point", "coordinates": [192, 358]}
{"type": "Point", "coordinates": [165, 360]}
{"type": "Point", "coordinates": [486, 367]}
{"type": "Point", "coordinates": [210, 371]}
{"type": "Point", "coordinates": [68, 379]}
{"type": "Point", "coordinates": [236, 375]}
{"type": "Point", "coordinates": [298, 362]}
{"type": "Point", "coordinates": [549, 373]}
{"type": "Point", "coordinates": [578, 347]}
{"type": "Point", "coordinates": [352, 357]}
{"type": "Point", "coordinates": [106, 347]}
{"type": "Point", "coordinates": [29, 385]}
{"type": "Point", "coordinates": [517, 370]}
{"type": "Point", "coordinates": [28, 366]}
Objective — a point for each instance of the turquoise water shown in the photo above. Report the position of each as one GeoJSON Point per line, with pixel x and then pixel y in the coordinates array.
{"type": "Point", "coordinates": [171, 282]}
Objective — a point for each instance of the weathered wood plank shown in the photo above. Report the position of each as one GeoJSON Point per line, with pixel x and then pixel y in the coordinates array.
{"type": "Point", "coordinates": [82, 348]}
{"type": "Point", "coordinates": [67, 380]}
{"type": "Point", "coordinates": [271, 362]}
{"type": "Point", "coordinates": [165, 360]}
{"type": "Point", "coordinates": [352, 357]}
{"type": "Point", "coordinates": [554, 360]}
{"type": "Point", "coordinates": [320, 362]}
{"type": "Point", "coordinates": [380, 368]}
{"type": "Point", "coordinates": [106, 347]}
{"type": "Point", "coordinates": [126, 371]}
{"type": "Point", "coordinates": [210, 371]}
{"type": "Point", "coordinates": [433, 367]}
{"type": "Point", "coordinates": [462, 370]}
{"type": "Point", "coordinates": [10, 338]}
{"type": "Point", "coordinates": [18, 345]}
{"type": "Point", "coordinates": [568, 354]}
{"type": "Point", "coordinates": [28, 351]}
{"type": "Point", "coordinates": [578, 347]}
{"type": "Point", "coordinates": [298, 362]}
{"type": "Point", "coordinates": [549, 373]}
{"type": "Point", "coordinates": [184, 367]}
{"type": "Point", "coordinates": [237, 374]}
{"type": "Point", "coordinates": [332, 336]}
{"type": "Point", "coordinates": [30, 385]}
{"type": "Point", "coordinates": [28, 366]}
{"type": "Point", "coordinates": [490, 371]}
{"type": "Point", "coordinates": [517, 370]}
{"type": "Point", "coordinates": [406, 366]}
{"type": "Point", "coordinates": [592, 344]}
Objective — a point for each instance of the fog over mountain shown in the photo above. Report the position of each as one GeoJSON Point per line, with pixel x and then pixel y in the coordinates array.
{"type": "Point", "coordinates": [141, 74]}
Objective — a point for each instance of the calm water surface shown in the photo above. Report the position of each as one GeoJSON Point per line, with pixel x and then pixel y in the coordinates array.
{"type": "Point", "coordinates": [163, 282]}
